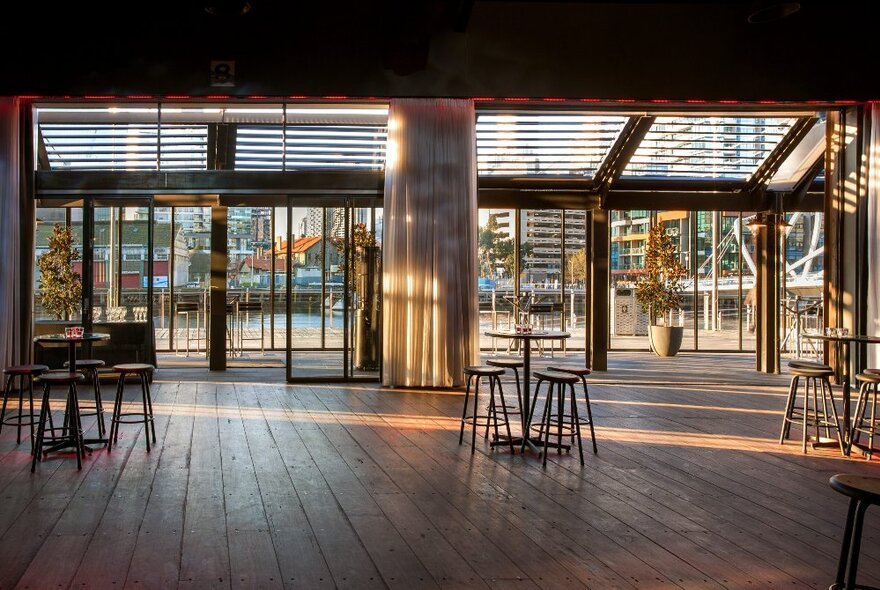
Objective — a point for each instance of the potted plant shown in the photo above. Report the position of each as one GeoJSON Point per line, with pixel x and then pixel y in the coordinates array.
{"type": "Point", "coordinates": [659, 291]}
{"type": "Point", "coordinates": [60, 286]}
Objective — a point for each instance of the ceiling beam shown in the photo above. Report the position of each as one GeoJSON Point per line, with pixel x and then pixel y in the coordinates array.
{"type": "Point", "coordinates": [695, 201]}
{"type": "Point", "coordinates": [779, 154]}
{"type": "Point", "coordinates": [238, 182]}
{"type": "Point", "coordinates": [634, 131]}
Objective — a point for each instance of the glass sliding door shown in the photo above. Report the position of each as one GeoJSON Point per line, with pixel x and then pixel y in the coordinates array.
{"type": "Point", "coordinates": [332, 256]}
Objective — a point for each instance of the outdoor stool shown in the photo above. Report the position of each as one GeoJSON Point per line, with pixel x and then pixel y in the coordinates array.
{"type": "Point", "coordinates": [816, 378]}
{"type": "Point", "coordinates": [863, 490]}
{"type": "Point", "coordinates": [869, 382]}
{"type": "Point", "coordinates": [145, 417]}
{"type": "Point", "coordinates": [71, 434]}
{"type": "Point", "coordinates": [515, 365]}
{"type": "Point", "coordinates": [493, 374]}
{"type": "Point", "coordinates": [22, 418]}
{"type": "Point", "coordinates": [566, 425]}
{"type": "Point", "coordinates": [581, 372]}
{"type": "Point", "coordinates": [89, 367]}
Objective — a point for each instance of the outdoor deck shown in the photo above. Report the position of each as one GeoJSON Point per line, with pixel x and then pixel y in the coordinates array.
{"type": "Point", "coordinates": [270, 485]}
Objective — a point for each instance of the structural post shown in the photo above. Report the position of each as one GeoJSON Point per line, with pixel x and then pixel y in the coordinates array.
{"type": "Point", "coordinates": [599, 289]}
{"type": "Point", "coordinates": [845, 227]}
{"type": "Point", "coordinates": [217, 330]}
{"type": "Point", "coordinates": [767, 254]}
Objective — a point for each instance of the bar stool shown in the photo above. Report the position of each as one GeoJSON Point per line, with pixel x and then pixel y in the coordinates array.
{"type": "Point", "coordinates": [89, 367]}
{"type": "Point", "coordinates": [22, 373]}
{"type": "Point", "coordinates": [142, 370]}
{"type": "Point", "coordinates": [475, 374]}
{"type": "Point", "coordinates": [869, 381]}
{"type": "Point", "coordinates": [815, 375]}
{"type": "Point", "coordinates": [863, 490]}
{"type": "Point", "coordinates": [515, 365]}
{"type": "Point", "coordinates": [567, 425]}
{"type": "Point", "coordinates": [582, 373]}
{"type": "Point", "coordinates": [71, 433]}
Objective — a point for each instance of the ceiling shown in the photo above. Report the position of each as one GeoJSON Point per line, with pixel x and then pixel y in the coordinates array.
{"type": "Point", "coordinates": [630, 50]}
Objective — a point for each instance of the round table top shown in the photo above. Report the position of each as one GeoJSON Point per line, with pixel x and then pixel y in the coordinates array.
{"type": "Point", "coordinates": [534, 335]}
{"type": "Point", "coordinates": [87, 337]}
{"type": "Point", "coordinates": [846, 337]}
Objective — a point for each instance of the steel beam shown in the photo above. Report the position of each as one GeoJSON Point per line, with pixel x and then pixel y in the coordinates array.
{"type": "Point", "coordinates": [622, 150]}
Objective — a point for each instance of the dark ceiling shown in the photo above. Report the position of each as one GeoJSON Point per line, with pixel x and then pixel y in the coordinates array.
{"type": "Point", "coordinates": [642, 51]}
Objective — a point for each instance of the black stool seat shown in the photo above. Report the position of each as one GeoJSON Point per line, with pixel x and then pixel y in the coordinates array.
{"type": "Point", "coordinates": [86, 363]}
{"type": "Point", "coordinates": [573, 369]}
{"type": "Point", "coordinates": [484, 371]}
{"type": "Point", "coordinates": [869, 376]}
{"type": "Point", "coordinates": [863, 490]}
{"type": "Point", "coordinates": [808, 364]}
{"type": "Point", "coordinates": [556, 376]}
{"type": "Point", "coordinates": [861, 487]}
{"type": "Point", "coordinates": [811, 371]}
{"type": "Point", "coordinates": [62, 377]}
{"type": "Point", "coordinates": [506, 363]}
{"type": "Point", "coordinates": [25, 370]}
{"type": "Point", "coordinates": [133, 368]}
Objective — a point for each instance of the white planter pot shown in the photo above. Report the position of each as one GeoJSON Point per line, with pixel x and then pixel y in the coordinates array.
{"type": "Point", "coordinates": [665, 340]}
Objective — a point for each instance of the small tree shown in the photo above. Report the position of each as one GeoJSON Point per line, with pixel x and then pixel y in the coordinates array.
{"type": "Point", "coordinates": [60, 287]}
{"type": "Point", "coordinates": [659, 292]}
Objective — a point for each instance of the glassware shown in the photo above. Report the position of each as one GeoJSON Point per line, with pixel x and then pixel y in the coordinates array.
{"type": "Point", "coordinates": [829, 331]}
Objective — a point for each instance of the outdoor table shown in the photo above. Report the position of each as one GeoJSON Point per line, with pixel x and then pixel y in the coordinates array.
{"type": "Point", "coordinates": [71, 361]}
{"type": "Point", "coordinates": [843, 341]}
{"type": "Point", "coordinates": [527, 370]}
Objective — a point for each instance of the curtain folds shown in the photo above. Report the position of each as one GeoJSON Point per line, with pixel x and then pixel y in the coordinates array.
{"type": "Point", "coordinates": [873, 233]}
{"type": "Point", "coordinates": [430, 310]}
{"type": "Point", "coordinates": [10, 234]}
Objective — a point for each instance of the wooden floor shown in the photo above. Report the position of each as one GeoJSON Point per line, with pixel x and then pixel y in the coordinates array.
{"type": "Point", "coordinates": [263, 485]}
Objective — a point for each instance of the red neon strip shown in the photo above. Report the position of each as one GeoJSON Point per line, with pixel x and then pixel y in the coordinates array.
{"type": "Point", "coordinates": [554, 99]}
{"type": "Point", "coordinates": [728, 101]}
{"type": "Point", "coordinates": [332, 97]}
{"type": "Point", "coordinates": [218, 96]}
{"type": "Point", "coordinates": [297, 97]}
{"type": "Point", "coordinates": [138, 96]}
{"type": "Point", "coordinates": [590, 100]}
{"type": "Point", "coordinates": [98, 96]}
{"type": "Point", "coordinates": [695, 101]}
{"type": "Point", "coordinates": [625, 100]}
{"type": "Point", "coordinates": [178, 97]}
{"type": "Point", "coordinates": [516, 99]}
{"type": "Point", "coordinates": [663, 100]}
{"type": "Point", "coordinates": [482, 99]}
{"type": "Point", "coordinates": [257, 97]}
{"type": "Point", "coordinates": [29, 96]}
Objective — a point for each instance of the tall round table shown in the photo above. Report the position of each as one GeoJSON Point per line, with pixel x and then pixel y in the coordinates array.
{"type": "Point", "coordinates": [843, 342]}
{"type": "Point", "coordinates": [71, 344]}
{"type": "Point", "coordinates": [527, 362]}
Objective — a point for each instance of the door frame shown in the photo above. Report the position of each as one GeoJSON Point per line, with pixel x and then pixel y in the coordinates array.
{"type": "Point", "coordinates": [348, 204]}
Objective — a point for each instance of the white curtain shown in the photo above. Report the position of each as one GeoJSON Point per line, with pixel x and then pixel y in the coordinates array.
{"type": "Point", "coordinates": [873, 324]}
{"type": "Point", "coordinates": [430, 310]}
{"type": "Point", "coordinates": [10, 235]}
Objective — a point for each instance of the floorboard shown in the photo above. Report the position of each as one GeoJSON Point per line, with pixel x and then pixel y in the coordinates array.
{"type": "Point", "coordinates": [260, 484]}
